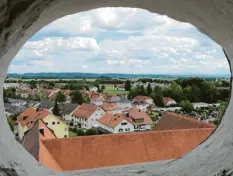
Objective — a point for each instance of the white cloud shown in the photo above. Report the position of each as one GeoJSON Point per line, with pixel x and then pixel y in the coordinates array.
{"type": "Point", "coordinates": [123, 40]}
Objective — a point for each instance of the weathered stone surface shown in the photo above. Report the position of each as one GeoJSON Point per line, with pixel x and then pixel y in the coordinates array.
{"type": "Point", "coordinates": [20, 19]}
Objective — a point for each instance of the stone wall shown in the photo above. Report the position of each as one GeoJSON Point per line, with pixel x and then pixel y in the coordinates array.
{"type": "Point", "coordinates": [20, 19]}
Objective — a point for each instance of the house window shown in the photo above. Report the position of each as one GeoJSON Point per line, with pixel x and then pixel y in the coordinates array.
{"type": "Point", "coordinates": [120, 130]}
{"type": "Point", "coordinates": [53, 123]}
{"type": "Point", "coordinates": [124, 123]}
{"type": "Point", "coordinates": [58, 122]}
{"type": "Point", "coordinates": [66, 129]}
{"type": "Point", "coordinates": [127, 129]}
{"type": "Point", "coordinates": [46, 123]}
{"type": "Point", "coordinates": [65, 136]}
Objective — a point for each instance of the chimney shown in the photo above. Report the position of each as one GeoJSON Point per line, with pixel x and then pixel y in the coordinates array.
{"type": "Point", "coordinates": [37, 109]}
{"type": "Point", "coordinates": [139, 110]}
{"type": "Point", "coordinates": [41, 131]}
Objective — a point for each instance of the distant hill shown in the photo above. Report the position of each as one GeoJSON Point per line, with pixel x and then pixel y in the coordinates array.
{"type": "Point", "coordinates": [104, 75]}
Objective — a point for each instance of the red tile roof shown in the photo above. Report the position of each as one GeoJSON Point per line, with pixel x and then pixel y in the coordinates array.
{"type": "Point", "coordinates": [135, 113]}
{"type": "Point", "coordinates": [108, 106]}
{"type": "Point", "coordinates": [167, 99]}
{"type": "Point", "coordinates": [173, 121]}
{"type": "Point", "coordinates": [111, 120]}
{"type": "Point", "coordinates": [141, 98]}
{"type": "Point", "coordinates": [31, 114]}
{"type": "Point", "coordinates": [120, 149]}
{"type": "Point", "coordinates": [85, 110]}
{"type": "Point", "coordinates": [32, 143]}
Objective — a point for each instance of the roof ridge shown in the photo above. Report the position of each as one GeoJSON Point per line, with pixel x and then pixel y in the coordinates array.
{"type": "Point", "coordinates": [132, 133]}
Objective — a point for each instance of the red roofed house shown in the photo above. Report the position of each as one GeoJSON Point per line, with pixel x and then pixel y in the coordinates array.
{"type": "Point", "coordinates": [115, 123]}
{"type": "Point", "coordinates": [139, 119]}
{"type": "Point", "coordinates": [167, 101]}
{"type": "Point", "coordinates": [143, 99]}
{"type": "Point", "coordinates": [32, 142]}
{"type": "Point", "coordinates": [86, 115]}
{"type": "Point", "coordinates": [27, 118]}
{"type": "Point", "coordinates": [173, 121]}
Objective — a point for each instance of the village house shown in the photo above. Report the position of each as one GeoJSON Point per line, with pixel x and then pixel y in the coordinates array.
{"type": "Point", "coordinates": [10, 85]}
{"type": "Point", "coordinates": [24, 92]}
{"type": "Point", "coordinates": [111, 108]}
{"type": "Point", "coordinates": [139, 119]}
{"type": "Point", "coordinates": [86, 115]}
{"type": "Point", "coordinates": [27, 118]}
{"type": "Point", "coordinates": [12, 110]}
{"type": "Point", "coordinates": [120, 87]}
{"type": "Point", "coordinates": [96, 98]}
{"type": "Point", "coordinates": [112, 98]}
{"type": "Point", "coordinates": [17, 102]}
{"type": "Point", "coordinates": [33, 143]}
{"type": "Point", "coordinates": [45, 104]}
{"type": "Point", "coordinates": [66, 110]}
{"type": "Point", "coordinates": [143, 99]}
{"type": "Point", "coordinates": [93, 88]}
{"type": "Point", "coordinates": [124, 103]}
{"type": "Point", "coordinates": [142, 102]}
{"type": "Point", "coordinates": [115, 123]}
{"type": "Point", "coordinates": [167, 101]}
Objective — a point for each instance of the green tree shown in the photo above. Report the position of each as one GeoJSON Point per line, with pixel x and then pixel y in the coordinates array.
{"type": "Point", "coordinates": [175, 92]}
{"type": "Point", "coordinates": [158, 90]}
{"type": "Point", "coordinates": [77, 97]}
{"type": "Point", "coordinates": [128, 85]}
{"type": "Point", "coordinates": [149, 89]}
{"type": "Point", "coordinates": [56, 110]}
{"type": "Point", "coordinates": [142, 90]}
{"type": "Point", "coordinates": [103, 87]}
{"type": "Point", "coordinates": [187, 106]}
{"type": "Point", "coordinates": [80, 132]}
{"type": "Point", "coordinates": [60, 97]}
{"type": "Point", "coordinates": [91, 132]}
{"type": "Point", "coordinates": [158, 99]}
{"type": "Point", "coordinates": [135, 92]}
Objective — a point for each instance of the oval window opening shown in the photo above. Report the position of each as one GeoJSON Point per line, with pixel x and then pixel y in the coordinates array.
{"type": "Point", "coordinates": [115, 86]}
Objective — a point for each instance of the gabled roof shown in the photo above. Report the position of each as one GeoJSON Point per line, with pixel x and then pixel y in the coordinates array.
{"type": "Point", "coordinates": [167, 99]}
{"type": "Point", "coordinates": [15, 109]}
{"type": "Point", "coordinates": [46, 104]}
{"type": "Point", "coordinates": [173, 121]}
{"type": "Point", "coordinates": [141, 98]}
{"type": "Point", "coordinates": [32, 142]}
{"type": "Point", "coordinates": [135, 113]}
{"type": "Point", "coordinates": [119, 149]}
{"type": "Point", "coordinates": [111, 120]}
{"type": "Point", "coordinates": [107, 106]}
{"type": "Point", "coordinates": [31, 114]}
{"type": "Point", "coordinates": [67, 108]}
{"type": "Point", "coordinates": [85, 110]}
{"type": "Point", "coordinates": [12, 100]}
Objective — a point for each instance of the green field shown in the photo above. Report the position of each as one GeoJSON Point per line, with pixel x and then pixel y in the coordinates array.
{"type": "Point", "coordinates": [109, 89]}
{"type": "Point", "coordinates": [112, 92]}
{"type": "Point", "coordinates": [72, 134]}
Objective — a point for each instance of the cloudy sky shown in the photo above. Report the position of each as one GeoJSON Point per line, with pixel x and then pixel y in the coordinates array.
{"type": "Point", "coordinates": [120, 40]}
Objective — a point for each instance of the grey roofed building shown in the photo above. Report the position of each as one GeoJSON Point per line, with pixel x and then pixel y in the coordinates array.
{"type": "Point", "coordinates": [67, 108]}
{"type": "Point", "coordinates": [11, 110]}
{"type": "Point", "coordinates": [46, 104]}
{"type": "Point", "coordinates": [17, 101]}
